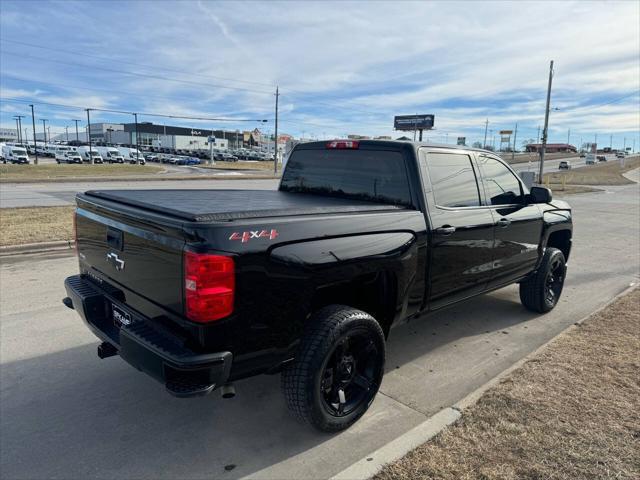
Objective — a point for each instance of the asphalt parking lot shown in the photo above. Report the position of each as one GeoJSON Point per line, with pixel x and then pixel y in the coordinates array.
{"type": "Point", "coordinates": [66, 414]}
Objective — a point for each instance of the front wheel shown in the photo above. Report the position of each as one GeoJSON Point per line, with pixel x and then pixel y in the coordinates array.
{"type": "Point", "coordinates": [541, 292]}
{"type": "Point", "coordinates": [337, 370]}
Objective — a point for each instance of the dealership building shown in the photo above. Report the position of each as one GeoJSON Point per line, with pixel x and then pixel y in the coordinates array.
{"type": "Point", "coordinates": [168, 136]}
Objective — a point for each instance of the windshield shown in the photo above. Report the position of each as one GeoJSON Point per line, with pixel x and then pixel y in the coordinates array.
{"type": "Point", "coordinates": [19, 151]}
{"type": "Point", "coordinates": [63, 149]}
{"type": "Point", "coordinates": [373, 175]}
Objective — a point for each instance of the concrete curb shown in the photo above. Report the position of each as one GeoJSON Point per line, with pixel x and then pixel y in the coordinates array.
{"type": "Point", "coordinates": [43, 247]}
{"type": "Point", "coordinates": [371, 464]}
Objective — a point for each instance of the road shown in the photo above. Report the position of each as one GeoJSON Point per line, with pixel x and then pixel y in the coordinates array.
{"type": "Point", "coordinates": [62, 193]}
{"type": "Point", "coordinates": [66, 414]}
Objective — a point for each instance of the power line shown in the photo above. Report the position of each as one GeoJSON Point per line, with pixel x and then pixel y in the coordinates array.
{"type": "Point", "coordinates": [135, 74]}
{"type": "Point", "coordinates": [154, 67]}
{"type": "Point", "coordinates": [147, 114]}
{"type": "Point", "coordinates": [108, 90]}
{"type": "Point", "coordinates": [599, 105]}
{"type": "Point", "coordinates": [288, 92]}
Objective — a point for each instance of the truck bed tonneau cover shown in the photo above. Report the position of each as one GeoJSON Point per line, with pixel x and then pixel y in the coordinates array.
{"type": "Point", "coordinates": [225, 205]}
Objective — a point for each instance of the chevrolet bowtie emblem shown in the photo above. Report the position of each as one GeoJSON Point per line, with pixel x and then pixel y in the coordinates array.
{"type": "Point", "coordinates": [114, 260]}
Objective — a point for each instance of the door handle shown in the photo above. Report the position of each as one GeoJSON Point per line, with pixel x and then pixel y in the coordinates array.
{"type": "Point", "coordinates": [504, 222]}
{"type": "Point", "coordinates": [445, 230]}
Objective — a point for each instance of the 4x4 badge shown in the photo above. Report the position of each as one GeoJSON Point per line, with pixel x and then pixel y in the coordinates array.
{"type": "Point", "coordinates": [244, 237]}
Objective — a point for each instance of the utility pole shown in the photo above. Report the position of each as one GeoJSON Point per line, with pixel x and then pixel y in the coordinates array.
{"type": "Point", "coordinates": [515, 135]}
{"type": "Point", "coordinates": [610, 141]}
{"type": "Point", "coordinates": [89, 137]}
{"type": "Point", "coordinates": [545, 131]}
{"type": "Point", "coordinates": [568, 136]}
{"type": "Point", "coordinates": [538, 135]}
{"type": "Point", "coordinates": [66, 131]}
{"type": "Point", "coordinates": [44, 129]}
{"type": "Point", "coordinates": [275, 138]}
{"type": "Point", "coordinates": [77, 136]}
{"type": "Point", "coordinates": [35, 145]}
{"type": "Point", "coordinates": [486, 125]}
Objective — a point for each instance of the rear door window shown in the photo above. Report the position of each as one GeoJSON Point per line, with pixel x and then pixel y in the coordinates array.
{"type": "Point", "coordinates": [371, 175]}
{"type": "Point", "coordinates": [453, 180]}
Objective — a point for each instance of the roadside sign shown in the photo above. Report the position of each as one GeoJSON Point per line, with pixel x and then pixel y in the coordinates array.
{"type": "Point", "coordinates": [413, 122]}
{"type": "Point", "coordinates": [462, 141]}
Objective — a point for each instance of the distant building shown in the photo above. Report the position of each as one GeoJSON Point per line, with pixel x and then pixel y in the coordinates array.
{"type": "Point", "coordinates": [8, 135]}
{"type": "Point", "coordinates": [551, 148]}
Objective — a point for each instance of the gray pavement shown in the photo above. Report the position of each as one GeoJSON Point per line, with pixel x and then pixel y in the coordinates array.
{"type": "Point", "coordinates": [66, 414]}
{"type": "Point", "coordinates": [63, 193]}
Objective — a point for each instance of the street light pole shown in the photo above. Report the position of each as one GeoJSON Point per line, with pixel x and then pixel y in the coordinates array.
{"type": "Point", "coordinates": [486, 125]}
{"type": "Point", "coordinates": [515, 134]}
{"type": "Point", "coordinates": [77, 136]}
{"type": "Point", "coordinates": [35, 145]}
{"type": "Point", "coordinates": [275, 146]}
{"type": "Point", "coordinates": [44, 130]}
{"type": "Point", "coordinates": [135, 116]}
{"type": "Point", "coordinates": [89, 137]}
{"type": "Point", "coordinates": [17, 131]}
{"type": "Point", "coordinates": [545, 131]}
{"type": "Point", "coordinates": [19, 119]}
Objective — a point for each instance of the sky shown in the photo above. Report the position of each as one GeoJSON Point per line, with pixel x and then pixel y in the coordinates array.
{"type": "Point", "coordinates": [341, 68]}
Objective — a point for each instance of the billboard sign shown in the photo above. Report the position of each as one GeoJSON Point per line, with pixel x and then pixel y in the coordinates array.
{"type": "Point", "coordinates": [413, 122]}
{"type": "Point", "coordinates": [462, 141]}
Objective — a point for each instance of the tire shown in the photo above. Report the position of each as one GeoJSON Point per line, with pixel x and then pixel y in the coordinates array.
{"type": "Point", "coordinates": [337, 370]}
{"type": "Point", "coordinates": [541, 292]}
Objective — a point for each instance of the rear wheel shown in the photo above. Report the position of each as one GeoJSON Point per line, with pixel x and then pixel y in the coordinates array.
{"type": "Point", "coordinates": [337, 370]}
{"type": "Point", "coordinates": [541, 292]}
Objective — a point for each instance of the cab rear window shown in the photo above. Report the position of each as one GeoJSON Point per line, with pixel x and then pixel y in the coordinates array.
{"type": "Point", "coordinates": [371, 175]}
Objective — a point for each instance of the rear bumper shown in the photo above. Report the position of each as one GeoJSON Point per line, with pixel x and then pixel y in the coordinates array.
{"type": "Point", "coordinates": [156, 352]}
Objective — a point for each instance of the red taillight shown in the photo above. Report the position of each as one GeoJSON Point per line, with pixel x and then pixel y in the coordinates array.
{"type": "Point", "coordinates": [209, 286]}
{"type": "Point", "coordinates": [343, 144]}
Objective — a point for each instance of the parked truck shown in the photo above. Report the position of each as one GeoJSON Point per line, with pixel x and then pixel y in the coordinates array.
{"type": "Point", "coordinates": [200, 288]}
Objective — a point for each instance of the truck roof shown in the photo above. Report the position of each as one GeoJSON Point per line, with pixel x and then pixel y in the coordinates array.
{"type": "Point", "coordinates": [397, 144]}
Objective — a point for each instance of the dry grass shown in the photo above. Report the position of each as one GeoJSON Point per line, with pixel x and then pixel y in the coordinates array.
{"type": "Point", "coordinates": [560, 190]}
{"type": "Point", "coordinates": [534, 157]}
{"type": "Point", "coordinates": [241, 165]}
{"type": "Point", "coordinates": [38, 172]}
{"type": "Point", "coordinates": [604, 173]}
{"type": "Point", "coordinates": [35, 224]}
{"type": "Point", "coordinates": [572, 412]}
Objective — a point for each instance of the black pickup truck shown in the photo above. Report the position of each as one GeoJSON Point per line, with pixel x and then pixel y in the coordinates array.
{"type": "Point", "coordinates": [199, 288]}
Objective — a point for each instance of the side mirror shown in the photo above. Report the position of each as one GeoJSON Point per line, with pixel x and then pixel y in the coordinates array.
{"type": "Point", "coordinates": [540, 195]}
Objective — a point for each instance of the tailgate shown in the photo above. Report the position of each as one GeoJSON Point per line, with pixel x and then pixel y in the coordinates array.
{"type": "Point", "coordinates": [131, 249]}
